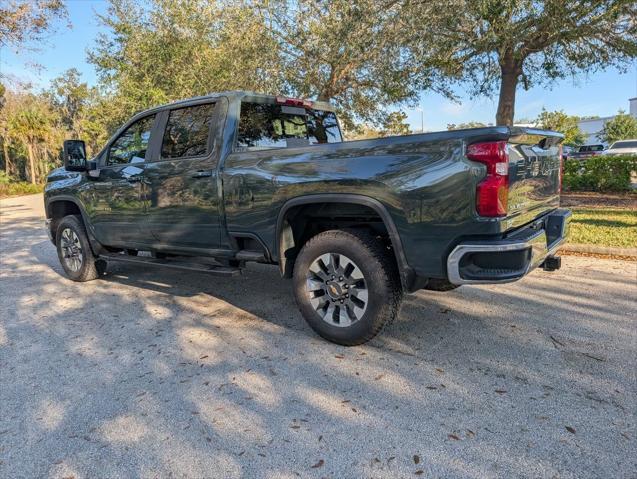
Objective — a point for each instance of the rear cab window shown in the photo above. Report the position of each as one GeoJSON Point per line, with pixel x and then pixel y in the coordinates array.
{"type": "Point", "coordinates": [265, 126]}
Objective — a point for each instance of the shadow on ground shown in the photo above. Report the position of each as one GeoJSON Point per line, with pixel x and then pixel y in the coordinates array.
{"type": "Point", "coordinates": [155, 373]}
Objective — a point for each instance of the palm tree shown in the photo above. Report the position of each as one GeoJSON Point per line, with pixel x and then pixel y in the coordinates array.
{"type": "Point", "coordinates": [31, 126]}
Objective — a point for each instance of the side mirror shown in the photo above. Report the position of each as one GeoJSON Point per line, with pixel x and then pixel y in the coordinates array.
{"type": "Point", "coordinates": [75, 155]}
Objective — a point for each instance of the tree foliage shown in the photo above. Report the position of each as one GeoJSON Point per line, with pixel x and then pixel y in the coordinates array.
{"type": "Point", "coordinates": [33, 125]}
{"type": "Point", "coordinates": [498, 44]}
{"type": "Point", "coordinates": [622, 127]}
{"type": "Point", "coordinates": [159, 51]}
{"type": "Point", "coordinates": [349, 52]}
{"type": "Point", "coordinates": [568, 125]}
{"type": "Point", "coordinates": [395, 123]}
{"type": "Point", "coordinates": [24, 20]}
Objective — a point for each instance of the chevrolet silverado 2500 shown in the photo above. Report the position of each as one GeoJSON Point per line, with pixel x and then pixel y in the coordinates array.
{"type": "Point", "coordinates": [211, 183]}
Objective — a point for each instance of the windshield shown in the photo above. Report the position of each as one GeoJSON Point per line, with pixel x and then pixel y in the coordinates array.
{"type": "Point", "coordinates": [624, 144]}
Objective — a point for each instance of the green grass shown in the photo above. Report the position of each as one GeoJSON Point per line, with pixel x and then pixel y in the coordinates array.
{"type": "Point", "coordinates": [19, 188]}
{"type": "Point", "coordinates": [604, 227]}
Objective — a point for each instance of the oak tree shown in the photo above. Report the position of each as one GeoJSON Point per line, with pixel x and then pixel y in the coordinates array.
{"type": "Point", "coordinates": [498, 45]}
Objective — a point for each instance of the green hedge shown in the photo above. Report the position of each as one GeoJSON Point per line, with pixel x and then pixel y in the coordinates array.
{"type": "Point", "coordinates": [600, 173]}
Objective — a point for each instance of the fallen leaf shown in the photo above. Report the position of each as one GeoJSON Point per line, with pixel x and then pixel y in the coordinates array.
{"type": "Point", "coordinates": [320, 438]}
{"type": "Point", "coordinates": [416, 459]}
{"type": "Point", "coordinates": [570, 429]}
{"type": "Point", "coordinates": [454, 437]}
{"type": "Point", "coordinates": [296, 426]}
{"type": "Point", "coordinates": [339, 356]}
{"type": "Point", "coordinates": [431, 387]}
{"type": "Point", "coordinates": [419, 472]}
{"type": "Point", "coordinates": [204, 356]}
{"type": "Point", "coordinates": [501, 391]}
{"type": "Point", "coordinates": [318, 464]}
{"type": "Point", "coordinates": [380, 376]}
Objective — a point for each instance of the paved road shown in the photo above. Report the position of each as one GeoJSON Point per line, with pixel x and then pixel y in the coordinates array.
{"type": "Point", "coordinates": [160, 374]}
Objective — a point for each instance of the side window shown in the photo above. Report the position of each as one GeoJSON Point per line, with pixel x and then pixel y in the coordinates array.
{"type": "Point", "coordinates": [131, 145]}
{"type": "Point", "coordinates": [187, 132]}
{"type": "Point", "coordinates": [264, 126]}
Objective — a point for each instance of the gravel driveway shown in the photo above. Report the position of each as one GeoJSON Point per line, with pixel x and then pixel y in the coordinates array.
{"type": "Point", "coordinates": [153, 373]}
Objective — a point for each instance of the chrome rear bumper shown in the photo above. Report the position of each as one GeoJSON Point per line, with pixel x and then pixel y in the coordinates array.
{"type": "Point", "coordinates": [511, 258]}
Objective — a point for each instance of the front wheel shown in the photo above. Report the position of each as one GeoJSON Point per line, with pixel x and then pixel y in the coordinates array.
{"type": "Point", "coordinates": [346, 285]}
{"type": "Point", "coordinates": [74, 250]}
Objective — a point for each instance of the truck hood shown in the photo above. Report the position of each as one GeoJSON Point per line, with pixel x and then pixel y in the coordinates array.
{"type": "Point", "coordinates": [60, 174]}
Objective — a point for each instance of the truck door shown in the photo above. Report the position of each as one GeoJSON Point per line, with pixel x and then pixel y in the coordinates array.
{"type": "Point", "coordinates": [114, 199]}
{"type": "Point", "coordinates": [181, 180]}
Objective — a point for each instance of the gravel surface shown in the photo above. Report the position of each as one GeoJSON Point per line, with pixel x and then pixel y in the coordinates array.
{"type": "Point", "coordinates": [157, 373]}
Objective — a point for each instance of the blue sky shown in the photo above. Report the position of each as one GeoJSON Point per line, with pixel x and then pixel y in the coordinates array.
{"type": "Point", "coordinates": [599, 94]}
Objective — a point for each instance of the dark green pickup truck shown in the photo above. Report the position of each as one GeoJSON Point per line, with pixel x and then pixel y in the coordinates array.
{"type": "Point", "coordinates": [211, 183]}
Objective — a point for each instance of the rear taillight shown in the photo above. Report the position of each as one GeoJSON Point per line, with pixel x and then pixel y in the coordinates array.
{"type": "Point", "coordinates": [492, 192]}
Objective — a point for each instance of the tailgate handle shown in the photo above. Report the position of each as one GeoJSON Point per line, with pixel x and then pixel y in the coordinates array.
{"type": "Point", "coordinates": [202, 174]}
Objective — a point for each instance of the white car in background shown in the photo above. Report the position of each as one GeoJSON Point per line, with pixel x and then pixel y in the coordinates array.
{"type": "Point", "coordinates": [623, 147]}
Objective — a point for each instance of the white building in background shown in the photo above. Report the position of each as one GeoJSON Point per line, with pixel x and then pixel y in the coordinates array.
{"type": "Point", "coordinates": [592, 127]}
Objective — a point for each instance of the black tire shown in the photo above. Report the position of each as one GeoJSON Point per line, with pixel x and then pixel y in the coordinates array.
{"type": "Point", "coordinates": [381, 282]}
{"type": "Point", "coordinates": [72, 228]}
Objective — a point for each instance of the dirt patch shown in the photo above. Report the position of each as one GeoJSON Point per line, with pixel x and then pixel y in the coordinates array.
{"type": "Point", "coordinates": [598, 255]}
{"type": "Point", "coordinates": [600, 200]}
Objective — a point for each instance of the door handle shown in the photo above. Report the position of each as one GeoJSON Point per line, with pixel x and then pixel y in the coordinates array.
{"type": "Point", "coordinates": [202, 174]}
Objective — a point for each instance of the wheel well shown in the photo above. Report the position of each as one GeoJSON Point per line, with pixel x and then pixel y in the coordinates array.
{"type": "Point", "coordinates": [302, 222]}
{"type": "Point", "coordinates": [58, 210]}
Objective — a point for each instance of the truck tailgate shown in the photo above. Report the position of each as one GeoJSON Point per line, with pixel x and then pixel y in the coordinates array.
{"type": "Point", "coordinates": [535, 162]}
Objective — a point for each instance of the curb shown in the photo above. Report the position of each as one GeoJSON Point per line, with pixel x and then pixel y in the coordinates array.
{"type": "Point", "coordinates": [593, 249]}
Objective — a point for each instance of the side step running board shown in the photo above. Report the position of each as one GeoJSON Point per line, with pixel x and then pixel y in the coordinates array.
{"type": "Point", "coordinates": [170, 263]}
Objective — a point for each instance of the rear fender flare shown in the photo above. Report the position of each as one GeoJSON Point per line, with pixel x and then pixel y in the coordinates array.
{"type": "Point", "coordinates": [407, 274]}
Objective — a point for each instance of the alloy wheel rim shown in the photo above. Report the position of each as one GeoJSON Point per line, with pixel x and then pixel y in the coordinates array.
{"type": "Point", "coordinates": [337, 289]}
{"type": "Point", "coordinates": [71, 250]}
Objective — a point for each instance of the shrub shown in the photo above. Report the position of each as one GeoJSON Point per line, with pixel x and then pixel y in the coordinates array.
{"type": "Point", "coordinates": [600, 173]}
{"type": "Point", "coordinates": [18, 188]}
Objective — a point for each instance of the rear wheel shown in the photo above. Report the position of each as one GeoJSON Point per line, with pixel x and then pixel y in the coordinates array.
{"type": "Point", "coordinates": [346, 286]}
{"type": "Point", "coordinates": [74, 250]}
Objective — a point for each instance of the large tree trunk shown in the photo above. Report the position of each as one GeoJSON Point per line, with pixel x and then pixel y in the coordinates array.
{"type": "Point", "coordinates": [508, 84]}
{"type": "Point", "coordinates": [31, 163]}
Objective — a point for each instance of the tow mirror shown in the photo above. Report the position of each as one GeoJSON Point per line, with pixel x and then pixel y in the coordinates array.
{"type": "Point", "coordinates": [75, 155]}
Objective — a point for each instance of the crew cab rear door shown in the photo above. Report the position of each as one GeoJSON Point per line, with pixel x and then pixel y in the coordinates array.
{"type": "Point", "coordinates": [181, 180]}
